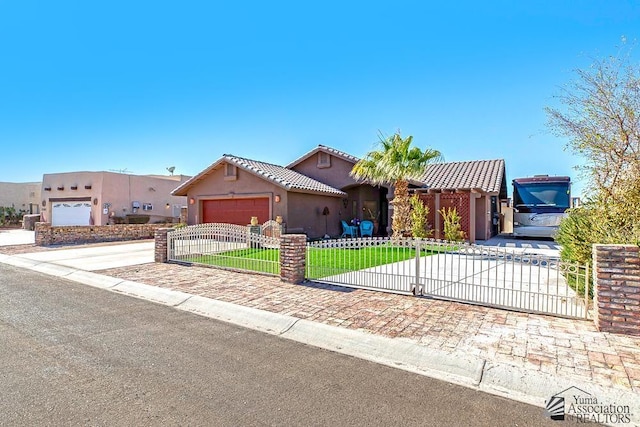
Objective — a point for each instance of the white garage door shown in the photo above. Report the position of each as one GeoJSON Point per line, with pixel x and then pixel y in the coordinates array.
{"type": "Point", "coordinates": [70, 213]}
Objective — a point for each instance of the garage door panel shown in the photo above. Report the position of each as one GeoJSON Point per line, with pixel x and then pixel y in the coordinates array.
{"type": "Point", "coordinates": [70, 213]}
{"type": "Point", "coordinates": [235, 211]}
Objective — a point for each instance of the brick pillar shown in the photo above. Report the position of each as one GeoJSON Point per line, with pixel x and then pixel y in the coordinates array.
{"type": "Point", "coordinates": [161, 249]}
{"type": "Point", "coordinates": [617, 288]}
{"type": "Point", "coordinates": [43, 235]}
{"type": "Point", "coordinates": [293, 252]}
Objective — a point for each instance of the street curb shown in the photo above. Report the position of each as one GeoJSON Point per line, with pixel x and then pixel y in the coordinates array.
{"type": "Point", "coordinates": [151, 293]}
{"type": "Point", "coordinates": [459, 368]}
{"type": "Point", "coordinates": [404, 354]}
{"type": "Point", "coordinates": [94, 279]}
{"type": "Point", "coordinates": [19, 262]}
{"type": "Point", "coordinates": [53, 269]}
{"type": "Point", "coordinates": [252, 318]}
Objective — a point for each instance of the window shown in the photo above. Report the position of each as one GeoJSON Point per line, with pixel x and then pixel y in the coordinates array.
{"type": "Point", "coordinates": [324, 160]}
{"type": "Point", "coordinates": [147, 207]}
{"type": "Point", "coordinates": [230, 172]}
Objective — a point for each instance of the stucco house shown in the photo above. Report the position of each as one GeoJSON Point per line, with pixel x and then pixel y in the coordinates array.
{"type": "Point", "coordinates": [315, 193]}
{"type": "Point", "coordinates": [99, 198]}
{"type": "Point", "coordinates": [23, 196]}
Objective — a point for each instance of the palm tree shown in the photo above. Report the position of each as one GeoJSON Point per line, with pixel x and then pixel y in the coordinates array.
{"type": "Point", "coordinates": [396, 161]}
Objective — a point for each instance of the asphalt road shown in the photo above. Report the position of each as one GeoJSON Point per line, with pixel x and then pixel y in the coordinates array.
{"type": "Point", "coordinates": [74, 355]}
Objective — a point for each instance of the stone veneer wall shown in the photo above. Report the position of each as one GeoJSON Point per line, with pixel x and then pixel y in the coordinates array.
{"type": "Point", "coordinates": [161, 253]}
{"type": "Point", "coordinates": [47, 235]}
{"type": "Point", "coordinates": [293, 257]}
{"type": "Point", "coordinates": [617, 288]}
{"type": "Point", "coordinates": [29, 221]}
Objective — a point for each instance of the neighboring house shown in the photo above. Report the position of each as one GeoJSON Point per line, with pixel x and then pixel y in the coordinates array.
{"type": "Point", "coordinates": [23, 196]}
{"type": "Point", "coordinates": [100, 198]}
{"type": "Point", "coordinates": [474, 188]}
{"type": "Point", "coordinates": [234, 189]}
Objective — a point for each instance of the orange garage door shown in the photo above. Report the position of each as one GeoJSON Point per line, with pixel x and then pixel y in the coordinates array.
{"type": "Point", "coordinates": [235, 211]}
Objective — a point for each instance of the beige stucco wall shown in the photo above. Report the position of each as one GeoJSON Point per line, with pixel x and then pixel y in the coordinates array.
{"type": "Point", "coordinates": [115, 192]}
{"type": "Point", "coordinates": [214, 186]}
{"type": "Point", "coordinates": [336, 175]}
{"type": "Point", "coordinates": [305, 215]}
{"type": "Point", "coordinates": [23, 196]}
{"type": "Point", "coordinates": [483, 218]}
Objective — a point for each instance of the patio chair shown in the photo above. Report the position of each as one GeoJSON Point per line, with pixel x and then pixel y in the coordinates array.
{"type": "Point", "coordinates": [348, 230]}
{"type": "Point", "coordinates": [366, 228]}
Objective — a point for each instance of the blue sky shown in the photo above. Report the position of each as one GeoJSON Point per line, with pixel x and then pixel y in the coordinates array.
{"type": "Point", "coordinates": [142, 85]}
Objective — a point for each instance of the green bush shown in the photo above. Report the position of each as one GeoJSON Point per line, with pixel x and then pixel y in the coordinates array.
{"type": "Point", "coordinates": [577, 234]}
{"type": "Point", "coordinates": [10, 216]}
{"type": "Point", "coordinates": [452, 228]}
{"type": "Point", "coordinates": [137, 219]}
{"type": "Point", "coordinates": [419, 218]}
{"type": "Point", "coordinates": [596, 222]}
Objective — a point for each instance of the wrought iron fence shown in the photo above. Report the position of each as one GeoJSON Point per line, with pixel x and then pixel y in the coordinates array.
{"type": "Point", "coordinates": [227, 246]}
{"type": "Point", "coordinates": [491, 276]}
{"type": "Point", "coordinates": [371, 263]}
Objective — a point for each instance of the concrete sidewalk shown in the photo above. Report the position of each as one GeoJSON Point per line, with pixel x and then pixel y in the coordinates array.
{"type": "Point", "coordinates": [521, 356]}
{"type": "Point", "coordinates": [97, 257]}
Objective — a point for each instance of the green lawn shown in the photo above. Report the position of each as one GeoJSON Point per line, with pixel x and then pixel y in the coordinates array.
{"type": "Point", "coordinates": [320, 262]}
{"type": "Point", "coordinates": [253, 259]}
{"type": "Point", "coordinates": [330, 261]}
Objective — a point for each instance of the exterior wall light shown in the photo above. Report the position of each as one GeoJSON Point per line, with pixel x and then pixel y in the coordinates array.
{"type": "Point", "coordinates": [277, 198]}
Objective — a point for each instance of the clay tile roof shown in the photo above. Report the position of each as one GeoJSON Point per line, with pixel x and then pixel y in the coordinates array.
{"type": "Point", "coordinates": [286, 178]}
{"type": "Point", "coordinates": [486, 175]}
{"type": "Point", "coordinates": [324, 148]}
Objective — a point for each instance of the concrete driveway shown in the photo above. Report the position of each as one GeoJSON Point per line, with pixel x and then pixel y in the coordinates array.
{"type": "Point", "coordinates": [17, 237]}
{"type": "Point", "coordinates": [97, 257]}
{"type": "Point", "coordinates": [528, 246]}
{"type": "Point", "coordinates": [501, 277]}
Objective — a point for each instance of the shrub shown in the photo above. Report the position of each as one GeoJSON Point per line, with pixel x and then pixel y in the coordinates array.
{"type": "Point", "coordinates": [419, 218]}
{"type": "Point", "coordinates": [137, 219]}
{"type": "Point", "coordinates": [595, 222]}
{"type": "Point", "coordinates": [452, 228]}
{"type": "Point", "coordinates": [576, 234]}
{"type": "Point", "coordinates": [10, 216]}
